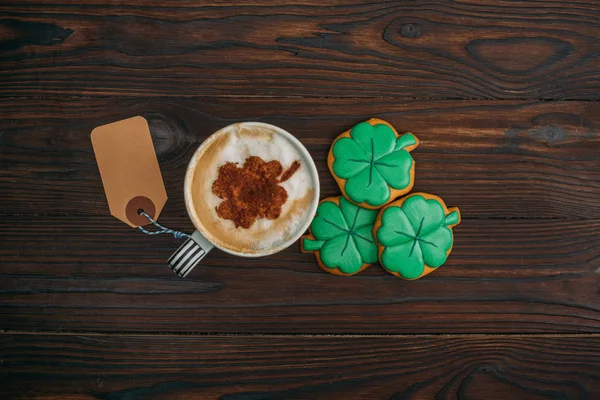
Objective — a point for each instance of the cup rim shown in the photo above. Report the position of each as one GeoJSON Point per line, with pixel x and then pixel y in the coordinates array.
{"type": "Point", "coordinates": [191, 168]}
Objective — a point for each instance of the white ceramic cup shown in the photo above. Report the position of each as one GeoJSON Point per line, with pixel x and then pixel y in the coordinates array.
{"type": "Point", "coordinates": [200, 244]}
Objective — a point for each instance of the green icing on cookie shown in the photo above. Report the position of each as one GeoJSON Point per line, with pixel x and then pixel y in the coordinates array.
{"type": "Point", "coordinates": [343, 235]}
{"type": "Point", "coordinates": [416, 234]}
{"type": "Point", "coordinates": [372, 160]}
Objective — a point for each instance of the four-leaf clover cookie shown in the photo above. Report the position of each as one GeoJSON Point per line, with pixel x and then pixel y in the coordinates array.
{"type": "Point", "coordinates": [415, 235]}
{"type": "Point", "coordinates": [372, 163]}
{"type": "Point", "coordinates": [341, 236]}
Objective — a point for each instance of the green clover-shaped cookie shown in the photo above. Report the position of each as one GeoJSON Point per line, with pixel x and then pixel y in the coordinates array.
{"type": "Point", "coordinates": [372, 163]}
{"type": "Point", "coordinates": [341, 236]}
{"type": "Point", "coordinates": [414, 235]}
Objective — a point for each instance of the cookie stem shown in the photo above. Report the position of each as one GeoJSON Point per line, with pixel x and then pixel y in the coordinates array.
{"type": "Point", "coordinates": [312, 245]}
{"type": "Point", "coordinates": [452, 218]}
{"type": "Point", "coordinates": [408, 139]}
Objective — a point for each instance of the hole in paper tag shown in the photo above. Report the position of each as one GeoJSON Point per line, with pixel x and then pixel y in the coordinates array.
{"type": "Point", "coordinates": [135, 205]}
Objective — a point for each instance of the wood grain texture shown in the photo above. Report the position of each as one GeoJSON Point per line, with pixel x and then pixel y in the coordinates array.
{"type": "Point", "coordinates": [293, 368]}
{"type": "Point", "coordinates": [524, 171]}
{"type": "Point", "coordinates": [483, 49]}
{"type": "Point", "coordinates": [492, 159]}
{"type": "Point", "coordinates": [95, 274]}
{"type": "Point", "coordinates": [526, 176]}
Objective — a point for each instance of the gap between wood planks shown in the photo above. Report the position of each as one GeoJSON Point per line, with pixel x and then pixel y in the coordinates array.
{"type": "Point", "coordinates": [303, 335]}
{"type": "Point", "coordinates": [254, 97]}
{"type": "Point", "coordinates": [263, 97]}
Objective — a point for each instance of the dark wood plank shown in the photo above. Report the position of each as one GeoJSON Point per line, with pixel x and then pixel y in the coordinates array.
{"type": "Point", "coordinates": [434, 49]}
{"type": "Point", "coordinates": [269, 368]}
{"type": "Point", "coordinates": [95, 274]}
{"type": "Point", "coordinates": [68, 265]}
{"type": "Point", "coordinates": [492, 159]}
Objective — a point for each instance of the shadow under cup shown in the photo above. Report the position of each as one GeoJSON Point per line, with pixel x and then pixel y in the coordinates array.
{"type": "Point", "coordinates": [235, 143]}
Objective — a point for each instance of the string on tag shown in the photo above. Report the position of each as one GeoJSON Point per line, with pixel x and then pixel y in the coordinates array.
{"type": "Point", "coordinates": [161, 229]}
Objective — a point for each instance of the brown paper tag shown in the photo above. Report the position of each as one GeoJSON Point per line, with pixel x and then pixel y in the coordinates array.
{"type": "Point", "coordinates": [129, 170]}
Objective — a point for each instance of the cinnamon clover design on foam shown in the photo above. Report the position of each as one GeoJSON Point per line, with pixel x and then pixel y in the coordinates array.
{"type": "Point", "coordinates": [410, 236]}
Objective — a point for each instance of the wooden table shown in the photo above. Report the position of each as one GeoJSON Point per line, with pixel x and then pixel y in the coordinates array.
{"type": "Point", "coordinates": [503, 96]}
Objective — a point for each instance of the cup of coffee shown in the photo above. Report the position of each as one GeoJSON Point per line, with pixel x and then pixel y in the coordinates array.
{"type": "Point", "coordinates": [251, 189]}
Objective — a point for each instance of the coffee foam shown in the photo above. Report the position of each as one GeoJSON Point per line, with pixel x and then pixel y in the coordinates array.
{"type": "Point", "coordinates": [236, 144]}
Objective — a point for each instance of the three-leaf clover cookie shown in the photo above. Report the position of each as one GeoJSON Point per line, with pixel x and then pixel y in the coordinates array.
{"type": "Point", "coordinates": [372, 163]}
{"type": "Point", "coordinates": [341, 236]}
{"type": "Point", "coordinates": [415, 235]}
